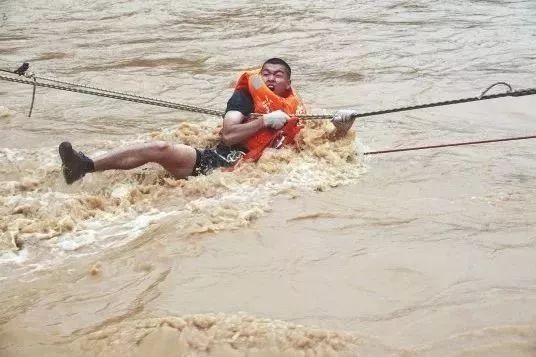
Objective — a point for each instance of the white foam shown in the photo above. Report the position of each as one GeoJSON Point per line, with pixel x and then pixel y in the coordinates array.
{"type": "Point", "coordinates": [17, 257]}
{"type": "Point", "coordinates": [5, 112]}
{"type": "Point", "coordinates": [112, 231]}
{"type": "Point", "coordinates": [45, 158]}
{"type": "Point", "coordinates": [120, 191]}
{"type": "Point", "coordinates": [92, 237]}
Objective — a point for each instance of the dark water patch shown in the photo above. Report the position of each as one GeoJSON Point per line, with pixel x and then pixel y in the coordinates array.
{"type": "Point", "coordinates": [118, 16]}
{"type": "Point", "coordinates": [339, 75]}
{"type": "Point", "coordinates": [7, 50]}
{"type": "Point", "coordinates": [171, 63]}
{"type": "Point", "coordinates": [51, 55]}
{"type": "Point", "coordinates": [145, 40]}
{"type": "Point", "coordinates": [13, 38]}
{"type": "Point", "coordinates": [408, 5]}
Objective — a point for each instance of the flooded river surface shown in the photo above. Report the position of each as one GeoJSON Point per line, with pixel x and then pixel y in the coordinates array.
{"type": "Point", "coordinates": [321, 251]}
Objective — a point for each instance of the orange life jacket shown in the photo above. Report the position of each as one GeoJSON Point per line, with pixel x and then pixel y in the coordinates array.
{"type": "Point", "coordinates": [266, 101]}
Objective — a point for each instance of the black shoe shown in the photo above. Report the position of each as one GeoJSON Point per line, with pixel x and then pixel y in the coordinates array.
{"type": "Point", "coordinates": [74, 164]}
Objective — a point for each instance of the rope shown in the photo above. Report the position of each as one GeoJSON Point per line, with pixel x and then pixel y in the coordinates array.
{"type": "Point", "coordinates": [493, 85]}
{"type": "Point", "coordinates": [74, 87]}
{"type": "Point", "coordinates": [483, 96]}
{"type": "Point", "coordinates": [104, 90]}
{"type": "Point", "coordinates": [116, 95]}
{"type": "Point", "coordinates": [33, 97]}
{"type": "Point", "coordinates": [414, 148]}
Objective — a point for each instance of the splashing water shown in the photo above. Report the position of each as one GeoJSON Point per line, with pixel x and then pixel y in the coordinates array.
{"type": "Point", "coordinates": [109, 209]}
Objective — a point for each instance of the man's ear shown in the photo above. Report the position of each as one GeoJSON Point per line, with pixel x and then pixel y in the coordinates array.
{"type": "Point", "coordinates": [289, 84]}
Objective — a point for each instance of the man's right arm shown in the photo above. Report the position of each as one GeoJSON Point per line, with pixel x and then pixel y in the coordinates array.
{"type": "Point", "coordinates": [235, 128]}
{"type": "Point", "coordinates": [235, 131]}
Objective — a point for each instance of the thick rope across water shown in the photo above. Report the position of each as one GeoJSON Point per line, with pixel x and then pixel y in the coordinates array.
{"type": "Point", "coordinates": [114, 95]}
{"type": "Point", "coordinates": [84, 89]}
{"type": "Point", "coordinates": [513, 93]}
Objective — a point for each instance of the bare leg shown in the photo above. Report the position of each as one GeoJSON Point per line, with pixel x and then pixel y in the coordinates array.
{"type": "Point", "coordinates": [179, 160]}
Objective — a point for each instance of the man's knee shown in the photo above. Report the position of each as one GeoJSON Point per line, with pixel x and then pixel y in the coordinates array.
{"type": "Point", "coordinates": [177, 159]}
{"type": "Point", "coordinates": [161, 146]}
{"type": "Point", "coordinates": [159, 149]}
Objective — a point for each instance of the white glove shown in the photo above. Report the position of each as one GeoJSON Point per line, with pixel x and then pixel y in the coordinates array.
{"type": "Point", "coordinates": [275, 119]}
{"type": "Point", "coordinates": [344, 116]}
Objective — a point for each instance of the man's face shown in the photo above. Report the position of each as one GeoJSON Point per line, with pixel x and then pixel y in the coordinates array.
{"type": "Point", "coordinates": [276, 78]}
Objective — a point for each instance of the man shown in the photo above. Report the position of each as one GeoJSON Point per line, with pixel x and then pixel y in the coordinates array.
{"type": "Point", "coordinates": [258, 116]}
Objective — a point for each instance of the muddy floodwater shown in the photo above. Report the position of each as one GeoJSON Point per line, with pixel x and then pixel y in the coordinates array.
{"type": "Point", "coordinates": [317, 250]}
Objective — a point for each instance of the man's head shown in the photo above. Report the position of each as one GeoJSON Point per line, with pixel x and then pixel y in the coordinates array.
{"type": "Point", "coordinates": [276, 75]}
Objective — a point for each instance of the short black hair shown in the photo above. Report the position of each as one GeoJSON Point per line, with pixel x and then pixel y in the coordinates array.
{"type": "Point", "coordinates": [276, 60]}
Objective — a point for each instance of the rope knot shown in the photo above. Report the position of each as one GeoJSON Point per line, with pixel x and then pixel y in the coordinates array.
{"type": "Point", "coordinates": [495, 84]}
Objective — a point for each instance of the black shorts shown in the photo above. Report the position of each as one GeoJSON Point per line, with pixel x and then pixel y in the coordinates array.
{"type": "Point", "coordinates": [210, 159]}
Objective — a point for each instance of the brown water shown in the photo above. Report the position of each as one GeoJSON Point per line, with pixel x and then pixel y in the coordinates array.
{"type": "Point", "coordinates": [316, 252]}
